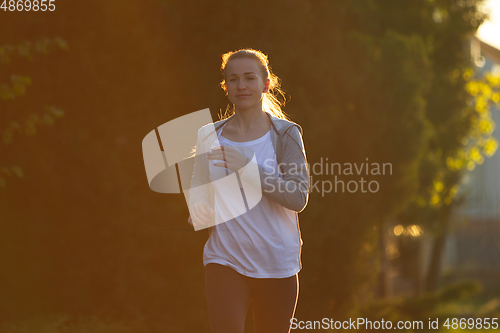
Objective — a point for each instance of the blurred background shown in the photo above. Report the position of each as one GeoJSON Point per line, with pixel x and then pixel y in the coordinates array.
{"type": "Point", "coordinates": [87, 246]}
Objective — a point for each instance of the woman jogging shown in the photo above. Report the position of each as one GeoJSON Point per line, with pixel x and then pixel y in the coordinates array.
{"type": "Point", "coordinates": [255, 256]}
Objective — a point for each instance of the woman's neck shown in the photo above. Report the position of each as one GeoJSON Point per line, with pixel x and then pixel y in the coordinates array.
{"type": "Point", "coordinates": [244, 120]}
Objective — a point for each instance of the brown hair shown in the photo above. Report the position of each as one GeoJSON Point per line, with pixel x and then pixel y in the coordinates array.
{"type": "Point", "coordinates": [270, 102]}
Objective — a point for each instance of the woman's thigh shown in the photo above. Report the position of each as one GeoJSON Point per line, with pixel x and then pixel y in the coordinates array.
{"type": "Point", "coordinates": [274, 302]}
{"type": "Point", "coordinates": [228, 297]}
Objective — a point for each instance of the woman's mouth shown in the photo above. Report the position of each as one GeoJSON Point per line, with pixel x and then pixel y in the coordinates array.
{"type": "Point", "coordinates": [242, 96]}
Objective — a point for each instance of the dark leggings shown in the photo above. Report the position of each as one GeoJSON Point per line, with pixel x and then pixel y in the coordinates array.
{"type": "Point", "coordinates": [229, 293]}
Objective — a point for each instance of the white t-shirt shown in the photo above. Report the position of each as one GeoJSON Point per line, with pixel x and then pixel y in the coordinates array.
{"type": "Point", "coordinates": [265, 241]}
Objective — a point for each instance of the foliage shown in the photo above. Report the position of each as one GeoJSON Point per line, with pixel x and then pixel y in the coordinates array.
{"type": "Point", "coordinates": [454, 301]}
{"type": "Point", "coordinates": [64, 323]}
{"type": "Point", "coordinates": [460, 126]}
{"type": "Point", "coordinates": [11, 120]}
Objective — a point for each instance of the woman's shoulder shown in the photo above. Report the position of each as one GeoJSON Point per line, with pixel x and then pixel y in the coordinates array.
{"type": "Point", "coordinates": [208, 129]}
{"type": "Point", "coordinates": [284, 125]}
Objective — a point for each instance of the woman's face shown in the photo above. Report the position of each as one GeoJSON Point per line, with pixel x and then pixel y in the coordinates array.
{"type": "Point", "coordinates": [244, 82]}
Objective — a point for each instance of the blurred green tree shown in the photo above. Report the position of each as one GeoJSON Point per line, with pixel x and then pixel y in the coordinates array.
{"type": "Point", "coordinates": [459, 120]}
{"type": "Point", "coordinates": [11, 119]}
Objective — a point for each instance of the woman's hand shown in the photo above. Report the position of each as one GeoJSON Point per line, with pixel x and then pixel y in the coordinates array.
{"type": "Point", "coordinates": [233, 159]}
{"type": "Point", "coordinates": [200, 214]}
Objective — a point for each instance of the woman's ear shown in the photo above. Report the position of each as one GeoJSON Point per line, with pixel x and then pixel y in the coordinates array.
{"type": "Point", "coordinates": [266, 88]}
